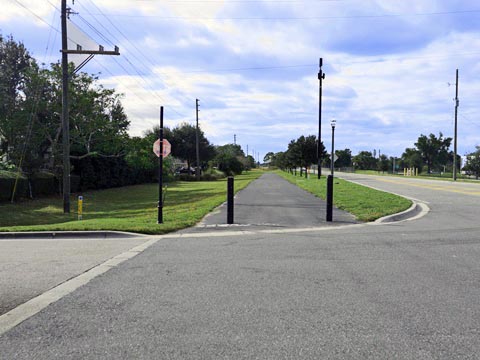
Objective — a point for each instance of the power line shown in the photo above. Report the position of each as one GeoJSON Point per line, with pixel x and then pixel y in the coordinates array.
{"type": "Point", "coordinates": [131, 63]}
{"type": "Point", "coordinates": [344, 63]}
{"type": "Point", "coordinates": [339, 17]}
{"type": "Point", "coordinates": [139, 51]}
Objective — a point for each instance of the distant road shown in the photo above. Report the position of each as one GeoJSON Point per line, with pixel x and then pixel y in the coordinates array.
{"type": "Point", "coordinates": [407, 290]}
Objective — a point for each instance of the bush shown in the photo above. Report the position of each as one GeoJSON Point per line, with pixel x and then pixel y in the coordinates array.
{"type": "Point", "coordinates": [44, 184]}
{"type": "Point", "coordinates": [7, 182]}
{"type": "Point", "coordinates": [203, 177]}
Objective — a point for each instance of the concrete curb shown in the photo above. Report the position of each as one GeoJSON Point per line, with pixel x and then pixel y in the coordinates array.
{"type": "Point", "coordinates": [69, 235]}
{"type": "Point", "coordinates": [416, 211]}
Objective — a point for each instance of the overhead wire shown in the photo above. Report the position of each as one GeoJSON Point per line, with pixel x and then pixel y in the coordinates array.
{"type": "Point", "coordinates": [138, 50]}
{"type": "Point", "coordinates": [302, 18]}
{"type": "Point", "coordinates": [126, 58]}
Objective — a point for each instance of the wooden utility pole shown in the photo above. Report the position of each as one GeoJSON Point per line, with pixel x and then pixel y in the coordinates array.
{"type": "Point", "coordinates": [197, 138]}
{"type": "Point", "coordinates": [455, 130]}
{"type": "Point", "coordinates": [65, 114]}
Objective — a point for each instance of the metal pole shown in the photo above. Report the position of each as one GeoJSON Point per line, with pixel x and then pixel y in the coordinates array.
{"type": "Point", "coordinates": [197, 169]}
{"type": "Point", "coordinates": [333, 151]}
{"type": "Point", "coordinates": [65, 115]}
{"type": "Point", "coordinates": [455, 131]}
{"type": "Point", "coordinates": [230, 200]}
{"type": "Point", "coordinates": [160, 171]}
{"type": "Point", "coordinates": [329, 197]}
{"type": "Point", "coordinates": [321, 76]}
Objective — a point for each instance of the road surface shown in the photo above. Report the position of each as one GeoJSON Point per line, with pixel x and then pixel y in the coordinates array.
{"type": "Point", "coordinates": [407, 290]}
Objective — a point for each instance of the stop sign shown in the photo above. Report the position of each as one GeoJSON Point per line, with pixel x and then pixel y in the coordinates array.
{"type": "Point", "coordinates": [167, 147]}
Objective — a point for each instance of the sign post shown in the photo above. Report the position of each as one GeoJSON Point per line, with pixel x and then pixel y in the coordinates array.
{"type": "Point", "coordinates": [161, 148]}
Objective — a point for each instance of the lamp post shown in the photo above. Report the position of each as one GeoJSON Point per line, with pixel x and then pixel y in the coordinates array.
{"type": "Point", "coordinates": [333, 122]}
{"type": "Point", "coordinates": [330, 177]}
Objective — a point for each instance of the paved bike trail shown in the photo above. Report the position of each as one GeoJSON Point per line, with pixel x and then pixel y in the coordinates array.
{"type": "Point", "coordinates": [271, 201]}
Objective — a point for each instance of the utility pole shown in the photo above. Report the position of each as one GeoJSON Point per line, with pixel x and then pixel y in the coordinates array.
{"type": "Point", "coordinates": [65, 115]}
{"type": "Point", "coordinates": [455, 131]}
{"type": "Point", "coordinates": [65, 12]}
{"type": "Point", "coordinates": [321, 76]}
{"type": "Point", "coordinates": [234, 139]}
{"type": "Point", "coordinates": [197, 138]}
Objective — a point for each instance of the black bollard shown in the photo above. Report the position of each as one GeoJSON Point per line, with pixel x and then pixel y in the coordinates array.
{"type": "Point", "coordinates": [329, 197]}
{"type": "Point", "coordinates": [230, 200]}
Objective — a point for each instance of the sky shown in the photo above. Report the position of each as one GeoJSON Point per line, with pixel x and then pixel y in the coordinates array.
{"type": "Point", "coordinates": [389, 66]}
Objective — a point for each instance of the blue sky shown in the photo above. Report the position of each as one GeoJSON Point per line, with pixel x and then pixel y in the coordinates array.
{"type": "Point", "coordinates": [253, 64]}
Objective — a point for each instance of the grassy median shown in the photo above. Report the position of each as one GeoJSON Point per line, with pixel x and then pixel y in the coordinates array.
{"type": "Point", "coordinates": [131, 208]}
{"type": "Point", "coordinates": [365, 203]}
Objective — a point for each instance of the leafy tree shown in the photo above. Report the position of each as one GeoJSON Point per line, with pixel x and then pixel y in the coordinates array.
{"type": "Point", "coordinates": [183, 140]}
{"type": "Point", "coordinates": [269, 157]}
{"type": "Point", "coordinates": [308, 148]}
{"type": "Point", "coordinates": [473, 163]}
{"type": "Point", "coordinates": [280, 160]}
{"type": "Point", "coordinates": [383, 163]}
{"type": "Point", "coordinates": [141, 158]}
{"type": "Point", "coordinates": [229, 159]}
{"type": "Point", "coordinates": [344, 158]}
{"type": "Point", "coordinates": [293, 155]}
{"type": "Point", "coordinates": [412, 158]}
{"type": "Point", "coordinates": [364, 160]}
{"type": "Point", "coordinates": [303, 152]}
{"type": "Point", "coordinates": [16, 64]}
{"type": "Point", "coordinates": [249, 162]}
{"type": "Point", "coordinates": [434, 150]}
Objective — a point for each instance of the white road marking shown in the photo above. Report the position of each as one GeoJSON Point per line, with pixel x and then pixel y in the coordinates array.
{"type": "Point", "coordinates": [22, 312]}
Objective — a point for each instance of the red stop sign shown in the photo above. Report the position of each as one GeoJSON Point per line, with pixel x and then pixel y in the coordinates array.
{"type": "Point", "coordinates": [167, 147]}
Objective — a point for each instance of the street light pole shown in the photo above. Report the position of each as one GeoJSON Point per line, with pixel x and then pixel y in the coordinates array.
{"type": "Point", "coordinates": [333, 147]}
{"type": "Point", "coordinates": [321, 76]}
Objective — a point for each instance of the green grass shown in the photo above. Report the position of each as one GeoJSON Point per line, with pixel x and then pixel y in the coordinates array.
{"type": "Point", "coordinates": [364, 203]}
{"type": "Point", "coordinates": [132, 208]}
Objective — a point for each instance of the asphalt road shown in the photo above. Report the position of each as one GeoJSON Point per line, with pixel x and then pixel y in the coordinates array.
{"type": "Point", "coordinates": [407, 290]}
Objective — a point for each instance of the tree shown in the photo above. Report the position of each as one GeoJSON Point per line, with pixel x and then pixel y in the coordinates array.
{"type": "Point", "coordinates": [383, 163]}
{"type": "Point", "coordinates": [140, 156]}
{"type": "Point", "coordinates": [411, 158]}
{"type": "Point", "coordinates": [183, 140]}
{"type": "Point", "coordinates": [303, 152]}
{"type": "Point", "coordinates": [364, 160]}
{"type": "Point", "coordinates": [229, 159]}
{"type": "Point", "coordinates": [269, 157]}
{"type": "Point", "coordinates": [16, 64]}
{"type": "Point", "coordinates": [434, 151]}
{"type": "Point", "coordinates": [293, 155]}
{"type": "Point", "coordinates": [344, 158]}
{"type": "Point", "coordinates": [473, 163]}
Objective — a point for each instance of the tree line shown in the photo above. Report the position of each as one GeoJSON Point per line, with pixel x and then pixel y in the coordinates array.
{"type": "Point", "coordinates": [102, 152]}
{"type": "Point", "coordinates": [430, 154]}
